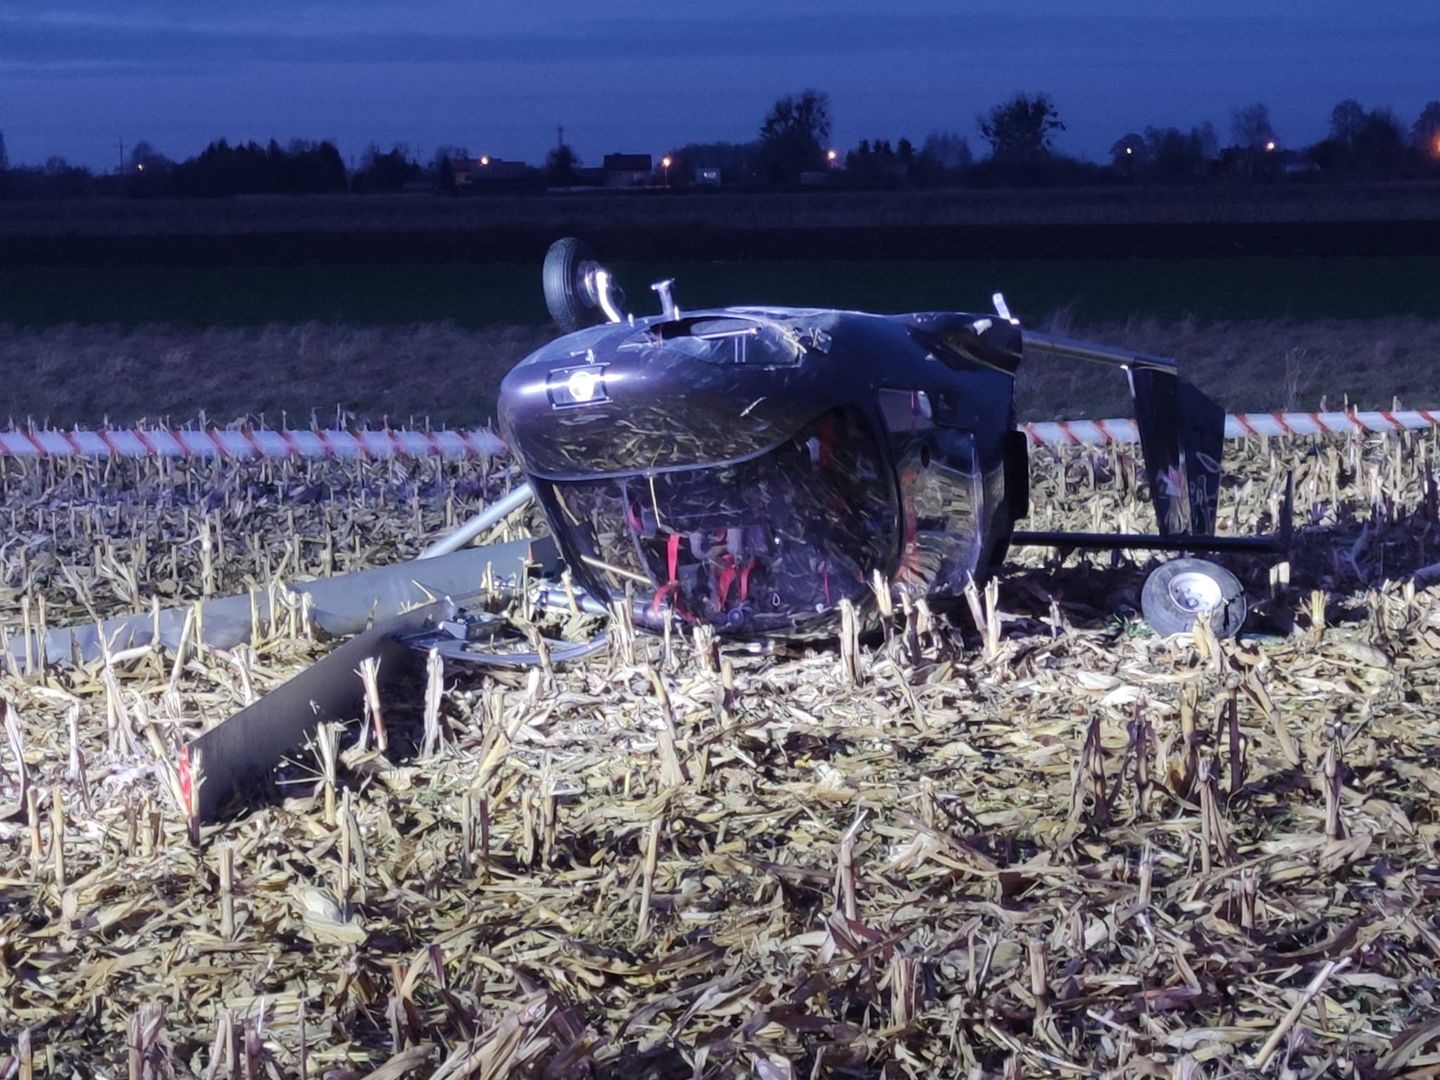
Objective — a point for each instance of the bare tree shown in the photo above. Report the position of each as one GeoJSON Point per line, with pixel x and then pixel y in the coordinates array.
{"type": "Point", "coordinates": [793, 136]}
{"type": "Point", "coordinates": [1250, 127]}
{"type": "Point", "coordinates": [450, 154]}
{"type": "Point", "coordinates": [561, 165]}
{"type": "Point", "coordinates": [1379, 146]}
{"type": "Point", "coordinates": [949, 150]}
{"type": "Point", "coordinates": [1347, 120]}
{"type": "Point", "coordinates": [144, 158]}
{"type": "Point", "coordinates": [1129, 154]}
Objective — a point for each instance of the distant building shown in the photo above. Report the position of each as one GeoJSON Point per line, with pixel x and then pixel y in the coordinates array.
{"type": "Point", "coordinates": [628, 170]}
{"type": "Point", "coordinates": [484, 170]}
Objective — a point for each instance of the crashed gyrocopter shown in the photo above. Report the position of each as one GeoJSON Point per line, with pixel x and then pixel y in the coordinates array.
{"type": "Point", "coordinates": [745, 468]}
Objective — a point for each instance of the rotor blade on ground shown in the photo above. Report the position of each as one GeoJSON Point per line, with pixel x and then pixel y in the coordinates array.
{"type": "Point", "coordinates": [342, 605]}
{"type": "Point", "coordinates": [257, 738]}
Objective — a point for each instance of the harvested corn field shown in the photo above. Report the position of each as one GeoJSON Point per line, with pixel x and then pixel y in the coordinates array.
{"type": "Point", "coordinates": [1026, 839]}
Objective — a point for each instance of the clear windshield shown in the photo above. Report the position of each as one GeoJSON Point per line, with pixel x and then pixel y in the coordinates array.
{"type": "Point", "coordinates": [769, 544]}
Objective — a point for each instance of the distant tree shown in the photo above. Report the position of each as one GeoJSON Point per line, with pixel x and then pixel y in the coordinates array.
{"type": "Point", "coordinates": [1020, 129]}
{"type": "Point", "coordinates": [880, 165]}
{"type": "Point", "coordinates": [793, 136]}
{"type": "Point", "coordinates": [445, 176]}
{"type": "Point", "coordinates": [1346, 121]}
{"type": "Point", "coordinates": [313, 168]}
{"type": "Point", "coordinates": [1130, 155]}
{"type": "Point", "coordinates": [1174, 155]}
{"type": "Point", "coordinates": [66, 180]}
{"type": "Point", "coordinates": [148, 173]}
{"type": "Point", "coordinates": [442, 165]}
{"type": "Point", "coordinates": [1425, 135]}
{"type": "Point", "coordinates": [1361, 143]}
{"type": "Point", "coordinates": [1379, 148]}
{"type": "Point", "coordinates": [221, 169]}
{"type": "Point", "coordinates": [388, 170]}
{"type": "Point", "coordinates": [451, 154]}
{"type": "Point", "coordinates": [944, 155]}
{"type": "Point", "coordinates": [1256, 146]}
{"type": "Point", "coordinates": [1250, 127]}
{"type": "Point", "coordinates": [561, 165]}
{"type": "Point", "coordinates": [144, 158]}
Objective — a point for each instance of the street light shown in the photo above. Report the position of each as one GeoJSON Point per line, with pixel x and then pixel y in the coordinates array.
{"type": "Point", "coordinates": [831, 156]}
{"type": "Point", "coordinates": [1270, 146]}
{"type": "Point", "coordinates": [665, 164]}
{"type": "Point", "coordinates": [484, 159]}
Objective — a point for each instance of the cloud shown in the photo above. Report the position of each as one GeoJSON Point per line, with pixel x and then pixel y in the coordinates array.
{"type": "Point", "coordinates": [137, 35]}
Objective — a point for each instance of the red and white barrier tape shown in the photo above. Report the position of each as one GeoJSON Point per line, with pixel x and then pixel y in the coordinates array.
{"type": "Point", "coordinates": [217, 443]}
{"type": "Point", "coordinates": [1240, 426]}
{"type": "Point", "coordinates": [192, 443]}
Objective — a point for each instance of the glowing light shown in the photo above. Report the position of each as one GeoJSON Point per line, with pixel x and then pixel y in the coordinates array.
{"type": "Point", "coordinates": [1270, 146]}
{"type": "Point", "coordinates": [665, 162]}
{"type": "Point", "coordinates": [1129, 150]}
{"type": "Point", "coordinates": [141, 166]}
{"type": "Point", "coordinates": [484, 159]}
{"type": "Point", "coordinates": [831, 155]}
{"type": "Point", "coordinates": [1435, 149]}
{"type": "Point", "coordinates": [582, 384]}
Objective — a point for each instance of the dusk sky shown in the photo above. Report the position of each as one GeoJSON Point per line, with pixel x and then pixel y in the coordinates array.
{"type": "Point", "coordinates": [76, 76]}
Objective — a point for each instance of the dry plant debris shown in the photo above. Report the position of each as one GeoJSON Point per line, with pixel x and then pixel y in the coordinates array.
{"type": "Point", "coordinates": [1063, 848]}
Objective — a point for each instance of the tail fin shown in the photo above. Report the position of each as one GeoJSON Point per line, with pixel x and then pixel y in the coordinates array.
{"type": "Point", "coordinates": [1182, 437]}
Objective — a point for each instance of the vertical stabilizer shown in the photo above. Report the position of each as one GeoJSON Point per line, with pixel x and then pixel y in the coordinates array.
{"type": "Point", "coordinates": [1182, 437]}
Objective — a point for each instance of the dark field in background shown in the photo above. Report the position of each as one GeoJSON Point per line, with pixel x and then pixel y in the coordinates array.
{"type": "Point", "coordinates": [485, 294]}
{"type": "Point", "coordinates": [415, 306]}
{"type": "Point", "coordinates": [450, 374]}
{"type": "Point", "coordinates": [727, 211]}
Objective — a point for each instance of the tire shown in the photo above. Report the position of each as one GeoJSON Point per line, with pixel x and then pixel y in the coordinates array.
{"type": "Point", "coordinates": [1177, 591]}
{"type": "Point", "coordinates": [571, 302]}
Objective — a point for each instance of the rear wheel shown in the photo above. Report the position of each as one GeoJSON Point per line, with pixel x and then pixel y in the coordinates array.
{"type": "Point", "coordinates": [568, 292]}
{"type": "Point", "coordinates": [1178, 592]}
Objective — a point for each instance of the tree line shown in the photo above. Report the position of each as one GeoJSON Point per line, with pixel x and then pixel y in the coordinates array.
{"type": "Point", "coordinates": [792, 148]}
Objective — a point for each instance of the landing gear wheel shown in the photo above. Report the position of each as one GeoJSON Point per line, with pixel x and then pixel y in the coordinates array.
{"type": "Point", "coordinates": [569, 285]}
{"type": "Point", "coordinates": [1177, 592]}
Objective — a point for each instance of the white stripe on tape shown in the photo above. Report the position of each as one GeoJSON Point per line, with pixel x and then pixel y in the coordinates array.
{"type": "Point", "coordinates": [228, 443]}
{"type": "Point", "coordinates": [412, 443]}
{"type": "Point", "coordinates": [1239, 426]}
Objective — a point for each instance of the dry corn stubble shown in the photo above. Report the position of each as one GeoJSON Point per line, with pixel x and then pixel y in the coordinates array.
{"type": "Point", "coordinates": [1020, 861]}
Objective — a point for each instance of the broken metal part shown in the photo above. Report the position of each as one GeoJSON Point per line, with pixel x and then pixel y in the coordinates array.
{"type": "Point", "coordinates": [553, 597]}
{"type": "Point", "coordinates": [459, 639]}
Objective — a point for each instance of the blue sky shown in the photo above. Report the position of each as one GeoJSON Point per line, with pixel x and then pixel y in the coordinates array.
{"type": "Point", "coordinates": [76, 76]}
